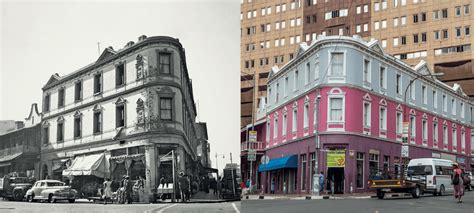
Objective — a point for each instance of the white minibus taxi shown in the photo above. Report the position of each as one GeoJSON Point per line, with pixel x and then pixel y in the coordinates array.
{"type": "Point", "coordinates": [438, 174]}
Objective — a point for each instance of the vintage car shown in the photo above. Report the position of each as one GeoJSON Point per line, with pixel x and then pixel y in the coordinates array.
{"type": "Point", "coordinates": [14, 188]}
{"type": "Point", "coordinates": [51, 191]}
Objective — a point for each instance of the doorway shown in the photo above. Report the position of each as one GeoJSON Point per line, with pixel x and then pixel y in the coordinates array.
{"type": "Point", "coordinates": [336, 175]}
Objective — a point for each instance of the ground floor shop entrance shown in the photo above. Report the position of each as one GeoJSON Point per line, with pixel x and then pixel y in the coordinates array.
{"type": "Point", "coordinates": [335, 178]}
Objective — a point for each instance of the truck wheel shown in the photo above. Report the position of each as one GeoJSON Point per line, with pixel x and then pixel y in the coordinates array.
{"type": "Point", "coordinates": [50, 199]}
{"type": "Point", "coordinates": [416, 192]}
{"type": "Point", "coordinates": [441, 190]}
{"type": "Point", "coordinates": [17, 196]}
{"type": "Point", "coordinates": [71, 200]}
{"type": "Point", "coordinates": [380, 194]}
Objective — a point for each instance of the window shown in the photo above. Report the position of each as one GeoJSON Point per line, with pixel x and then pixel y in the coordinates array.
{"type": "Point", "coordinates": [423, 16]}
{"type": "Point", "coordinates": [384, 24]}
{"type": "Point", "coordinates": [404, 40]}
{"type": "Point", "coordinates": [412, 126]}
{"type": "Point", "coordinates": [383, 118]}
{"type": "Point", "coordinates": [284, 128]}
{"type": "Point", "coordinates": [395, 22]}
{"type": "Point", "coordinates": [457, 11]}
{"type": "Point", "coordinates": [366, 71]}
{"type": "Point", "coordinates": [166, 111]}
{"type": "Point", "coordinates": [424, 130]}
{"type": "Point", "coordinates": [435, 99]}
{"type": "Point", "coordinates": [337, 64]}
{"type": "Point", "coordinates": [383, 83]}
{"type": "Point", "coordinates": [376, 6]}
{"type": "Point", "coordinates": [303, 172]}
{"type": "Point", "coordinates": [436, 14]}
{"type": "Point", "coordinates": [444, 13]}
{"type": "Point", "coordinates": [467, 9]}
{"type": "Point", "coordinates": [384, 43]}
{"type": "Point", "coordinates": [60, 132]}
{"type": "Point", "coordinates": [366, 114]}
{"type": "Point", "coordinates": [463, 140]}
{"type": "Point", "coordinates": [454, 138]}
{"type": "Point", "coordinates": [120, 74]}
{"type": "Point", "coordinates": [467, 30]}
{"type": "Point", "coordinates": [336, 105]}
{"type": "Point", "coordinates": [97, 122]}
{"type": "Point", "coordinates": [398, 82]}
{"type": "Point", "coordinates": [415, 18]}
{"type": "Point", "coordinates": [376, 25]}
{"type": "Point", "coordinates": [399, 123]}
{"type": "Point", "coordinates": [445, 103]}
{"type": "Point", "coordinates": [458, 32]}
{"type": "Point", "coordinates": [453, 106]}
{"type": "Point", "coordinates": [435, 133]}
{"type": "Point", "coordinates": [97, 83]}
{"type": "Point", "coordinates": [358, 10]}
{"type": "Point", "coordinates": [61, 97]}
{"type": "Point", "coordinates": [386, 163]}
{"type": "Point", "coordinates": [120, 116]}
{"type": "Point", "coordinates": [77, 127]}
{"type": "Point", "coordinates": [316, 69]}
{"type": "Point", "coordinates": [384, 4]}
{"type": "Point", "coordinates": [46, 135]}
{"type": "Point", "coordinates": [436, 35]}
{"type": "Point", "coordinates": [307, 75]}
{"type": "Point", "coordinates": [295, 120]}
{"type": "Point", "coordinates": [423, 37]}
{"type": "Point", "coordinates": [275, 126]}
{"type": "Point", "coordinates": [306, 116]}
{"type": "Point", "coordinates": [445, 135]}
{"type": "Point", "coordinates": [277, 92]}
{"type": "Point", "coordinates": [462, 110]}
{"type": "Point", "coordinates": [285, 86]}
{"type": "Point", "coordinates": [366, 27]}
{"type": "Point", "coordinates": [395, 41]}
{"type": "Point", "coordinates": [78, 91]}
{"type": "Point", "coordinates": [47, 103]}
{"type": "Point", "coordinates": [268, 131]}
{"type": "Point", "coordinates": [360, 170]}
{"type": "Point", "coordinates": [403, 20]}
{"type": "Point", "coordinates": [413, 91]}
{"type": "Point", "coordinates": [395, 3]}
{"type": "Point", "coordinates": [164, 59]}
{"type": "Point", "coordinates": [373, 164]}
{"type": "Point", "coordinates": [366, 8]}
{"type": "Point", "coordinates": [415, 38]}
{"type": "Point", "coordinates": [424, 94]}
{"type": "Point", "coordinates": [295, 81]}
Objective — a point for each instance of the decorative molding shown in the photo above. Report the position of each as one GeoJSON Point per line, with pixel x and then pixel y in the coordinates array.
{"type": "Point", "coordinates": [120, 101]}
{"type": "Point", "coordinates": [367, 97]}
{"type": "Point", "coordinates": [383, 102]}
{"type": "Point", "coordinates": [77, 114]}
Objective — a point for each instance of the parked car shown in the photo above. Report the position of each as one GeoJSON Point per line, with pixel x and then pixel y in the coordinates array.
{"type": "Point", "coordinates": [14, 188]}
{"type": "Point", "coordinates": [51, 191]}
{"type": "Point", "coordinates": [470, 185]}
{"type": "Point", "coordinates": [438, 174]}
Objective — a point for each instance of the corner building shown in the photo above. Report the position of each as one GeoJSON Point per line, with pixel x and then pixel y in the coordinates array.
{"type": "Point", "coordinates": [360, 116]}
{"type": "Point", "coordinates": [120, 115]}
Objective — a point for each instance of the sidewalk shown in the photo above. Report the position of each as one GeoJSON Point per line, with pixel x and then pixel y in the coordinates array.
{"type": "Point", "coordinates": [307, 196]}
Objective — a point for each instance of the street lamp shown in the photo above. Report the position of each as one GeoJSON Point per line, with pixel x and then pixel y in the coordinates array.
{"type": "Point", "coordinates": [316, 176]}
{"type": "Point", "coordinates": [252, 121]}
{"type": "Point", "coordinates": [405, 110]}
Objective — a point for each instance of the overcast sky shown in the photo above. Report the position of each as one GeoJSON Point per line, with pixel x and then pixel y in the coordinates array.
{"type": "Point", "coordinates": [40, 39]}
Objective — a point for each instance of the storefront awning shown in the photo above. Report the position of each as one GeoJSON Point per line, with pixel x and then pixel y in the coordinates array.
{"type": "Point", "coordinates": [288, 162]}
{"type": "Point", "coordinates": [7, 158]}
{"type": "Point", "coordinates": [95, 164]}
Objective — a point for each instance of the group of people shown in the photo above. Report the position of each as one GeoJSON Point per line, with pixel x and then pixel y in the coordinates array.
{"type": "Point", "coordinates": [125, 191]}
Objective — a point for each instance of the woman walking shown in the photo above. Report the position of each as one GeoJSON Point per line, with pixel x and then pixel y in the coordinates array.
{"type": "Point", "coordinates": [458, 183]}
{"type": "Point", "coordinates": [107, 190]}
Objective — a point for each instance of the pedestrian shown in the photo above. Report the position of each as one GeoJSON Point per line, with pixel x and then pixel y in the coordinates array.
{"type": "Point", "coordinates": [107, 190]}
{"type": "Point", "coordinates": [162, 181]}
{"type": "Point", "coordinates": [457, 181]}
{"type": "Point", "coordinates": [127, 185]}
{"type": "Point", "coordinates": [214, 186]}
{"type": "Point", "coordinates": [183, 186]}
{"type": "Point", "coordinates": [247, 184]}
{"type": "Point", "coordinates": [272, 187]}
{"type": "Point", "coordinates": [321, 182]}
{"type": "Point", "coordinates": [219, 187]}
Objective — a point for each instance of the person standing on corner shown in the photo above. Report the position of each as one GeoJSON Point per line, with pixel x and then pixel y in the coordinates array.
{"type": "Point", "coordinates": [321, 182]}
{"type": "Point", "coordinates": [107, 190]}
{"type": "Point", "coordinates": [458, 183]}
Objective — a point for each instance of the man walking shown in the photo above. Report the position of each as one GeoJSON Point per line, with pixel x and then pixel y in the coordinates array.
{"type": "Point", "coordinates": [321, 182]}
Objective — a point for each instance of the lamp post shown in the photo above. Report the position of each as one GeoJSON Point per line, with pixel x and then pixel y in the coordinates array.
{"type": "Point", "coordinates": [316, 186]}
{"type": "Point", "coordinates": [253, 123]}
{"type": "Point", "coordinates": [405, 139]}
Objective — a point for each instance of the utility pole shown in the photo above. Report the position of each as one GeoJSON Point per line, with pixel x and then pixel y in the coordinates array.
{"type": "Point", "coordinates": [173, 197]}
{"type": "Point", "coordinates": [232, 174]}
{"type": "Point", "coordinates": [316, 176]}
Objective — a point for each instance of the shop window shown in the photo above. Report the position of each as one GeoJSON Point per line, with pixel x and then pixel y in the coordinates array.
{"type": "Point", "coordinates": [373, 164]}
{"type": "Point", "coordinates": [303, 172]}
{"type": "Point", "coordinates": [360, 170]}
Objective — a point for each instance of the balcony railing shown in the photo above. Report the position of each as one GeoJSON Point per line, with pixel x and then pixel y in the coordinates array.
{"type": "Point", "coordinates": [18, 149]}
{"type": "Point", "coordinates": [245, 146]}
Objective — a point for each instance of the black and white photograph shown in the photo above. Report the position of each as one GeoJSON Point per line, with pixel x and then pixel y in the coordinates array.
{"type": "Point", "coordinates": [119, 106]}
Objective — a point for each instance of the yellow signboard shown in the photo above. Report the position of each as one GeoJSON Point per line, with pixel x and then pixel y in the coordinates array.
{"type": "Point", "coordinates": [336, 158]}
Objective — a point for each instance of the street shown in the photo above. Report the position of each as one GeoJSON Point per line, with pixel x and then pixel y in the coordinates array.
{"type": "Point", "coordinates": [62, 207]}
{"type": "Point", "coordinates": [426, 203]}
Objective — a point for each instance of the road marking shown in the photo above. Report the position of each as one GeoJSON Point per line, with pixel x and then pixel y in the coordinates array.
{"type": "Point", "coordinates": [167, 207]}
{"type": "Point", "coordinates": [235, 208]}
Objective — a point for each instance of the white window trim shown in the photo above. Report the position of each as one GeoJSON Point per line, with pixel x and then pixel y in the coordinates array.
{"type": "Point", "coordinates": [383, 126]}
{"type": "Point", "coordinates": [336, 95]}
{"type": "Point", "coordinates": [369, 116]}
{"type": "Point", "coordinates": [384, 83]}
{"type": "Point", "coordinates": [337, 79]}
{"type": "Point", "coordinates": [367, 83]}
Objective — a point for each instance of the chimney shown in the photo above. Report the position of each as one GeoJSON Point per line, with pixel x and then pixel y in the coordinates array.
{"type": "Point", "coordinates": [141, 38]}
{"type": "Point", "coordinates": [129, 44]}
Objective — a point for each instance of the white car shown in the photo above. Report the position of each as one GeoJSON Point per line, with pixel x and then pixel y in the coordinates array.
{"type": "Point", "coordinates": [51, 191]}
{"type": "Point", "coordinates": [437, 171]}
{"type": "Point", "coordinates": [471, 185]}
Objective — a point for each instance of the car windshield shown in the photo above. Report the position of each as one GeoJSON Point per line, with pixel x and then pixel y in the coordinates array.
{"type": "Point", "coordinates": [18, 180]}
{"type": "Point", "coordinates": [420, 170]}
{"type": "Point", "coordinates": [55, 184]}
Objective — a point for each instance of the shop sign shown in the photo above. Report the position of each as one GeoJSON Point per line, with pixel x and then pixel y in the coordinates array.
{"type": "Point", "coordinates": [252, 136]}
{"type": "Point", "coordinates": [405, 152]}
{"type": "Point", "coordinates": [435, 155]}
{"type": "Point", "coordinates": [461, 160]}
{"type": "Point", "coordinates": [336, 158]}
{"type": "Point", "coordinates": [351, 153]}
{"type": "Point", "coordinates": [252, 155]}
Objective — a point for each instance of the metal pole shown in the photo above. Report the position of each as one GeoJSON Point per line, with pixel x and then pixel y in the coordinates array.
{"type": "Point", "coordinates": [173, 197]}
{"type": "Point", "coordinates": [316, 177]}
{"type": "Point", "coordinates": [232, 174]}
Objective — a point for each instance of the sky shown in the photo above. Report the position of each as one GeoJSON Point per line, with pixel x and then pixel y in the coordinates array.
{"type": "Point", "coordinates": [40, 38]}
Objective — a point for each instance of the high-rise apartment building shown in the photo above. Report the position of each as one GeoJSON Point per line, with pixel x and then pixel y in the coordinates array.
{"type": "Point", "coordinates": [436, 31]}
{"type": "Point", "coordinates": [272, 29]}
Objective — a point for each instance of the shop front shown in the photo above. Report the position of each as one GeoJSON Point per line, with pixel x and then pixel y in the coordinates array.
{"type": "Point", "coordinates": [280, 174]}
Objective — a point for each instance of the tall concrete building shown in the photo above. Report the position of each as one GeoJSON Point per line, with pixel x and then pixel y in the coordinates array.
{"type": "Point", "coordinates": [122, 115]}
{"type": "Point", "coordinates": [437, 31]}
{"type": "Point", "coordinates": [271, 31]}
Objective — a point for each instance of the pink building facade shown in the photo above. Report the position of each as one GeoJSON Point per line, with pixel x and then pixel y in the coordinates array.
{"type": "Point", "coordinates": [361, 112]}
